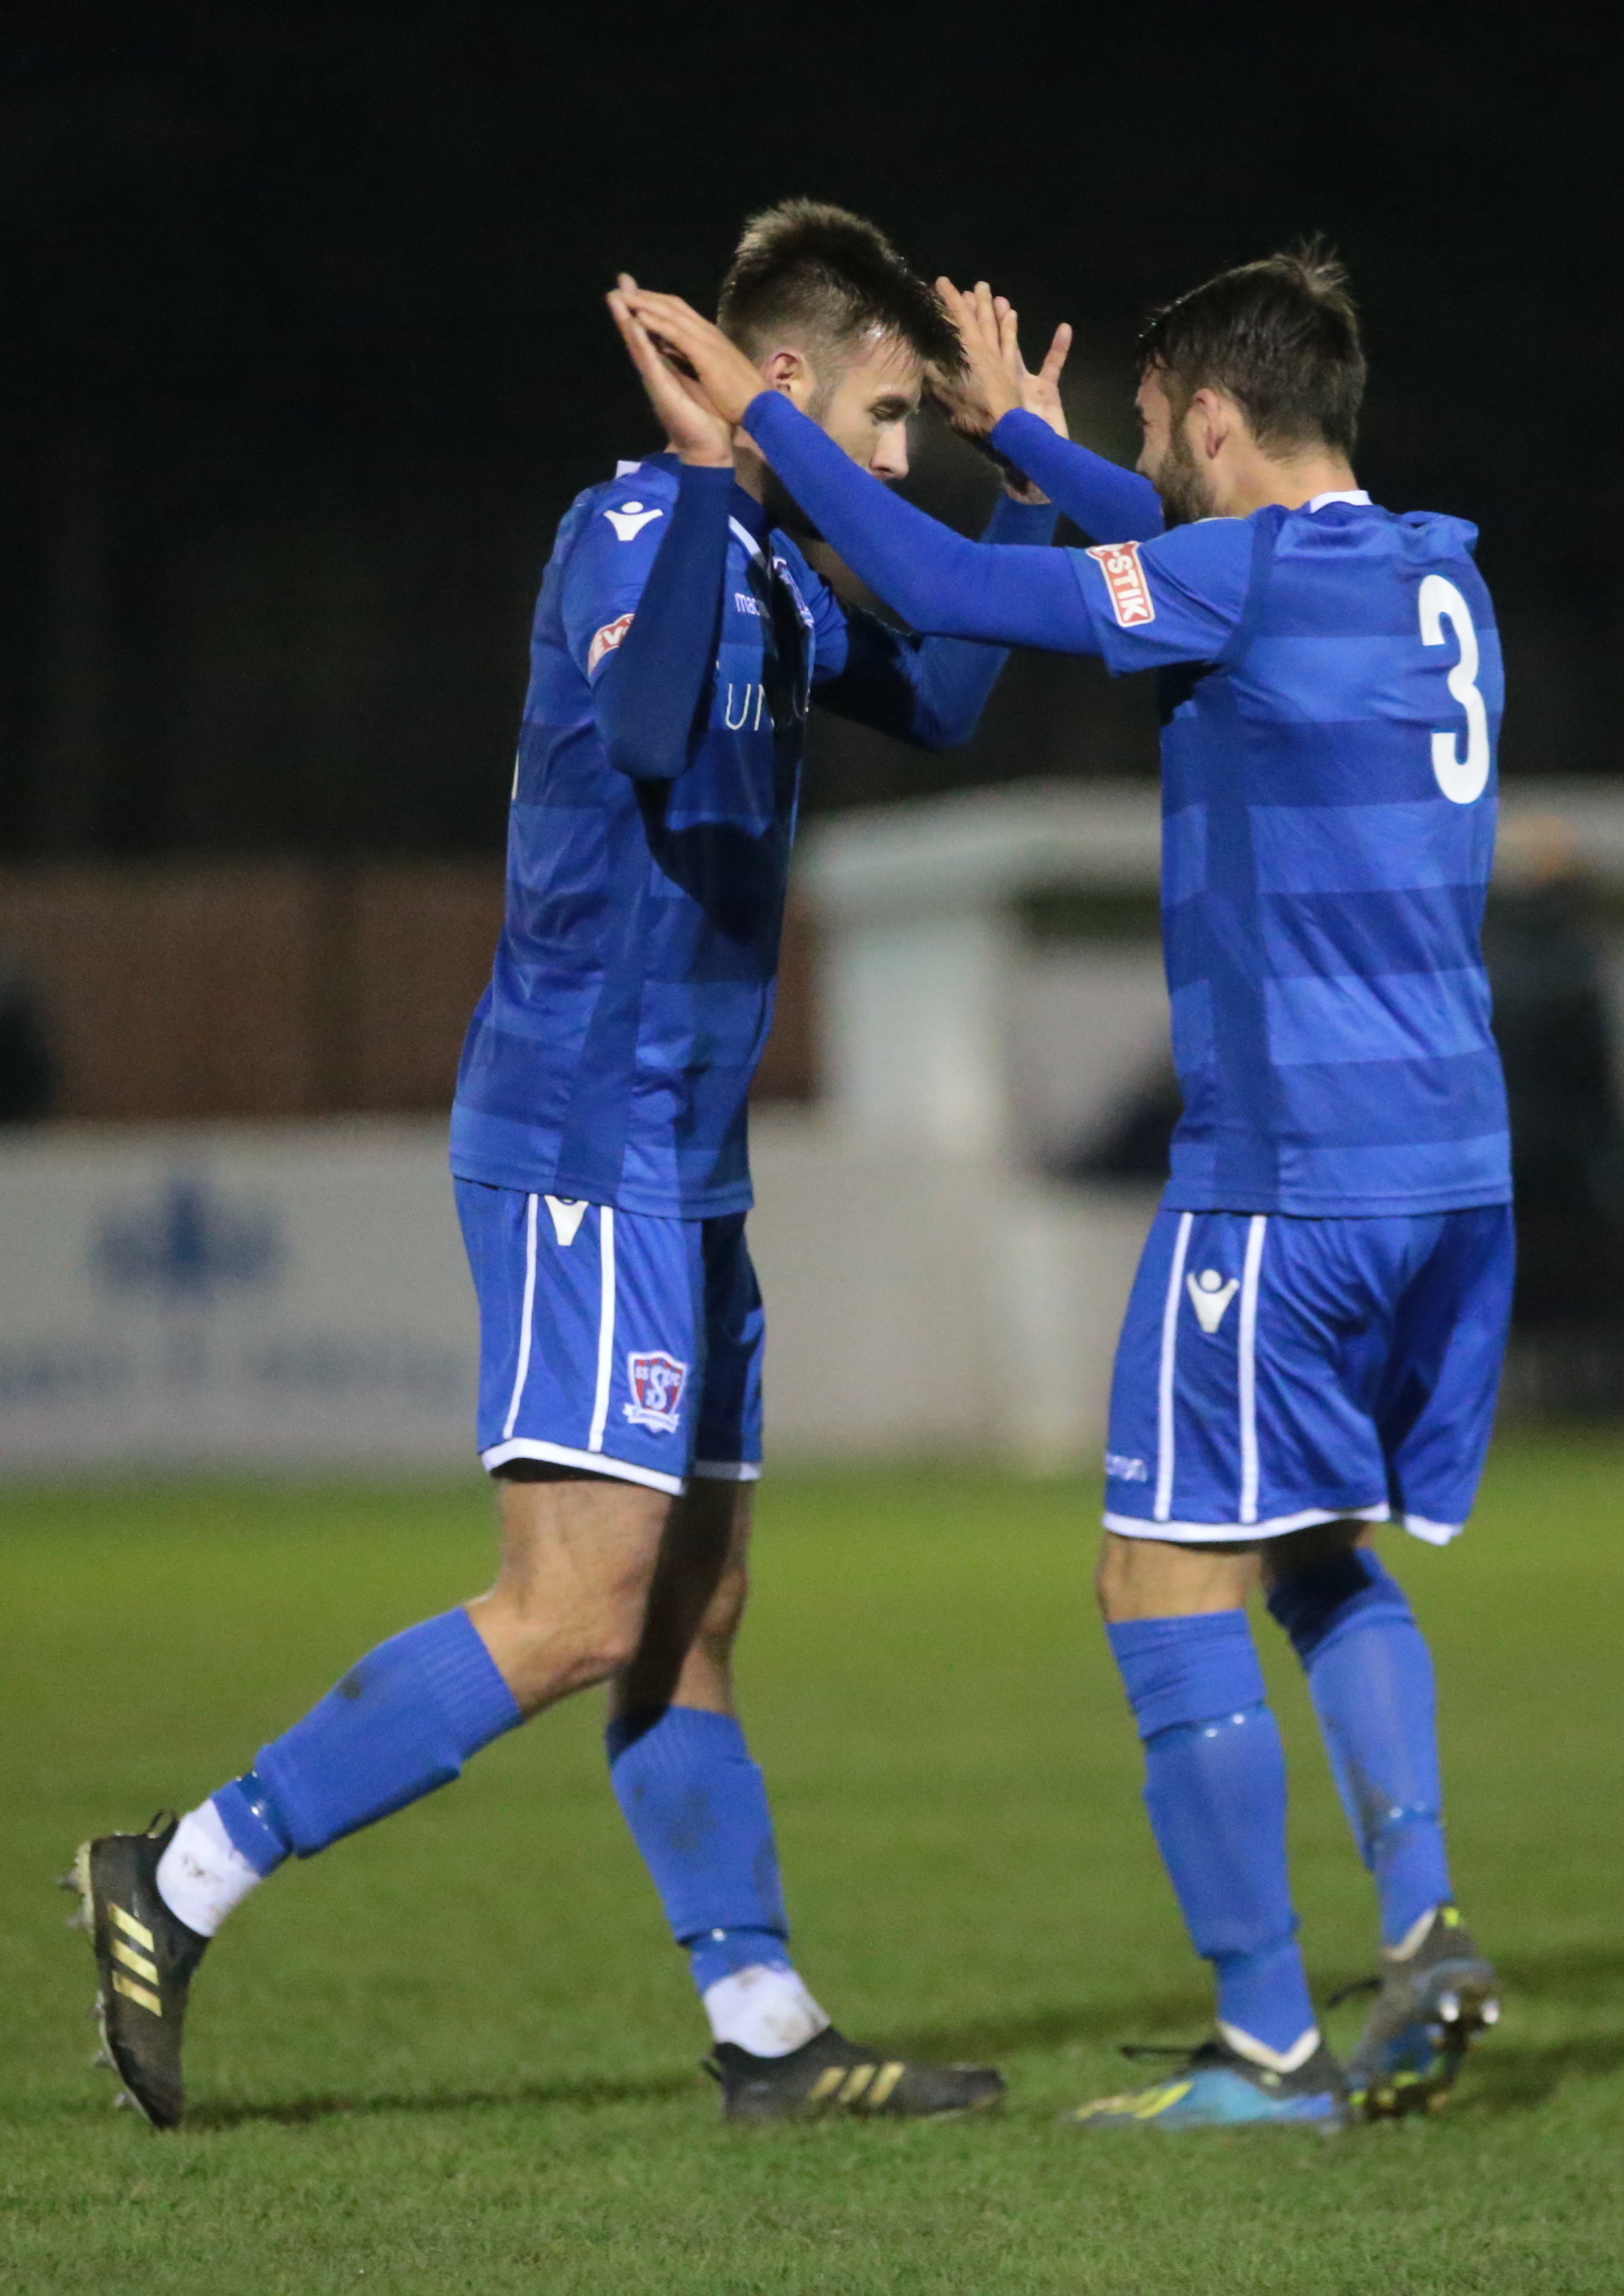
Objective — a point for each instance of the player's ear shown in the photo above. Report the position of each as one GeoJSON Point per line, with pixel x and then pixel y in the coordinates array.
{"type": "Point", "coordinates": [1210, 419]}
{"type": "Point", "coordinates": [787, 370]}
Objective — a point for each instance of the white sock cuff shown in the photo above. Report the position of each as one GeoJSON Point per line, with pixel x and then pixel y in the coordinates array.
{"type": "Point", "coordinates": [203, 1875]}
{"type": "Point", "coordinates": [1277, 2060]}
{"type": "Point", "coordinates": [1414, 1938]}
{"type": "Point", "coordinates": [766, 2011]}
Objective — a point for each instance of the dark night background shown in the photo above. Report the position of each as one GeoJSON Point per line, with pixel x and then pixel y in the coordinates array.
{"type": "Point", "coordinates": [304, 350]}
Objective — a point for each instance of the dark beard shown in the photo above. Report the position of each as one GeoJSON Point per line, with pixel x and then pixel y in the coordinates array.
{"type": "Point", "coordinates": [1181, 486]}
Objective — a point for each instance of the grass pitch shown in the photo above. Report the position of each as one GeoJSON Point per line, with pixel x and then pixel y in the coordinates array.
{"type": "Point", "coordinates": [458, 2051]}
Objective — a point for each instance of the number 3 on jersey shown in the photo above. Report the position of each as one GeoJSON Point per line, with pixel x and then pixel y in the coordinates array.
{"type": "Point", "coordinates": [1461, 779]}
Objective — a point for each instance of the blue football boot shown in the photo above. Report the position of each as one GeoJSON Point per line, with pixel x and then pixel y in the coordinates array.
{"type": "Point", "coordinates": [1432, 2003]}
{"type": "Point", "coordinates": [1217, 2087]}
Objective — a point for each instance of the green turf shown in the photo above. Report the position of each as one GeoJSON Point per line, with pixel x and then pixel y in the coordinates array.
{"type": "Point", "coordinates": [459, 2054]}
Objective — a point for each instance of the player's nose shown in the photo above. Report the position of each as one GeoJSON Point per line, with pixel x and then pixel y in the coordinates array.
{"type": "Point", "coordinates": [891, 455]}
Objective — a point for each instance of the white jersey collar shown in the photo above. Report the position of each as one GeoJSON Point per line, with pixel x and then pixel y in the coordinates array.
{"type": "Point", "coordinates": [1348, 495]}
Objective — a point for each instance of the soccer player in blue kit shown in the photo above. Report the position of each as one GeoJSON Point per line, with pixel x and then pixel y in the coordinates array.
{"type": "Point", "coordinates": [599, 1146]}
{"type": "Point", "coordinates": [1314, 1340]}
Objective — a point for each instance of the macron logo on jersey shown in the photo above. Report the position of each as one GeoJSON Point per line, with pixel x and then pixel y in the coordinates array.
{"type": "Point", "coordinates": [1131, 602]}
{"type": "Point", "coordinates": [607, 639]}
{"type": "Point", "coordinates": [631, 519]}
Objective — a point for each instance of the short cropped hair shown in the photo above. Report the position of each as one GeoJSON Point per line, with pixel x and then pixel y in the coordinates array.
{"type": "Point", "coordinates": [1280, 337]}
{"type": "Point", "coordinates": [823, 276]}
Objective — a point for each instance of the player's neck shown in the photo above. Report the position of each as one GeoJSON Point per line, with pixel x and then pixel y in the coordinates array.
{"type": "Point", "coordinates": [750, 470]}
{"type": "Point", "coordinates": [1255, 481]}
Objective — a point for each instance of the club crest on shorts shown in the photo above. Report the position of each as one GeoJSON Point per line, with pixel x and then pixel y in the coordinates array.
{"type": "Point", "coordinates": [656, 1381]}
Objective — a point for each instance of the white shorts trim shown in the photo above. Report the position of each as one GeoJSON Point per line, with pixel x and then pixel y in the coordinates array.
{"type": "Point", "coordinates": [606, 1338]}
{"type": "Point", "coordinates": [725, 1471]}
{"type": "Point", "coordinates": [1435, 1534]}
{"type": "Point", "coordinates": [525, 1315]}
{"type": "Point", "coordinates": [1208, 1534]}
{"type": "Point", "coordinates": [1165, 1392]}
{"type": "Point", "coordinates": [1248, 1366]}
{"type": "Point", "coordinates": [600, 1464]}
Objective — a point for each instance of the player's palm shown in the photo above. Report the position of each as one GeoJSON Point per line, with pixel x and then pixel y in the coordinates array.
{"type": "Point", "coordinates": [998, 379]}
{"type": "Point", "coordinates": [989, 387]}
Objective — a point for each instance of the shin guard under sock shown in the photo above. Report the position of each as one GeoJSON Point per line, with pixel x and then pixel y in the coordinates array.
{"type": "Point", "coordinates": [1215, 1788]}
{"type": "Point", "coordinates": [1370, 1675]}
{"type": "Point", "coordinates": [400, 1723]}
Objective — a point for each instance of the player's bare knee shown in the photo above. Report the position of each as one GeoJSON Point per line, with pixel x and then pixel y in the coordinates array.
{"type": "Point", "coordinates": [724, 1614]}
{"type": "Point", "coordinates": [1164, 1578]}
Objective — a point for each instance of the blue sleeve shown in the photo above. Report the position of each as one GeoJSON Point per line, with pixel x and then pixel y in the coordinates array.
{"type": "Point", "coordinates": [604, 560]}
{"type": "Point", "coordinates": [1178, 598]}
{"type": "Point", "coordinates": [932, 578]}
{"type": "Point", "coordinates": [656, 664]}
{"type": "Point", "coordinates": [929, 691]}
{"type": "Point", "coordinates": [1107, 502]}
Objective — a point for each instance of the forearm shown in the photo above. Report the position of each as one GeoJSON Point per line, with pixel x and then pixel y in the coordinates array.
{"type": "Point", "coordinates": [655, 688]}
{"type": "Point", "coordinates": [954, 677]}
{"type": "Point", "coordinates": [1109, 504]}
{"type": "Point", "coordinates": [931, 576]}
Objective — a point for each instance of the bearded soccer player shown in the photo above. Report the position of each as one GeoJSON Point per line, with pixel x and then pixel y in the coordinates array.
{"type": "Point", "coordinates": [1314, 1341]}
{"type": "Point", "coordinates": [600, 1154]}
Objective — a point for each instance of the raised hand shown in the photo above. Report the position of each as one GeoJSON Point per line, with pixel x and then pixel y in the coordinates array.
{"type": "Point", "coordinates": [998, 379]}
{"type": "Point", "coordinates": [726, 379]}
{"type": "Point", "coordinates": [696, 432]}
{"type": "Point", "coordinates": [1041, 393]}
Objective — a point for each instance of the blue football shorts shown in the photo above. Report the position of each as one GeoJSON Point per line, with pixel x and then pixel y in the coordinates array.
{"type": "Point", "coordinates": [610, 1341]}
{"type": "Point", "coordinates": [1275, 1373]}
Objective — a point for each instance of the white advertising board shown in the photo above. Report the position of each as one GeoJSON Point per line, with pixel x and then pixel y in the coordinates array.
{"type": "Point", "coordinates": [296, 1296]}
{"type": "Point", "coordinates": [274, 1295]}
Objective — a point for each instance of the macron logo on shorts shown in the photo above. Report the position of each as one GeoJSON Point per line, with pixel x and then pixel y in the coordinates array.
{"type": "Point", "coordinates": [1131, 602]}
{"type": "Point", "coordinates": [1209, 1296]}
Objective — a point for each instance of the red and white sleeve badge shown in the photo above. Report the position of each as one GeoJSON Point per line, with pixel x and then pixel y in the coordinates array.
{"type": "Point", "coordinates": [1131, 602]}
{"type": "Point", "coordinates": [607, 639]}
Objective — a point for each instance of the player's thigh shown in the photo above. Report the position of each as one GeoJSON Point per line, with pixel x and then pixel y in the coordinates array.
{"type": "Point", "coordinates": [695, 1604]}
{"type": "Point", "coordinates": [1442, 1381]}
{"type": "Point", "coordinates": [573, 1542]}
{"type": "Point", "coordinates": [1237, 1411]}
{"type": "Point", "coordinates": [703, 1560]}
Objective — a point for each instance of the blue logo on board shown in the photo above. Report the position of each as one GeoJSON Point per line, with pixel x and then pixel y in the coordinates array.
{"type": "Point", "coordinates": [188, 1241]}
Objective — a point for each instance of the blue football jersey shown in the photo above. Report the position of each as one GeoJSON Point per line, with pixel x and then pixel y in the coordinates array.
{"type": "Point", "coordinates": [1333, 693]}
{"type": "Point", "coordinates": [611, 1057]}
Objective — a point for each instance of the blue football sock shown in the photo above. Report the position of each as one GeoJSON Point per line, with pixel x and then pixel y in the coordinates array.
{"type": "Point", "coordinates": [1370, 1675]}
{"type": "Point", "coordinates": [697, 1808]}
{"type": "Point", "coordinates": [399, 1725]}
{"type": "Point", "coordinates": [1215, 1786]}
